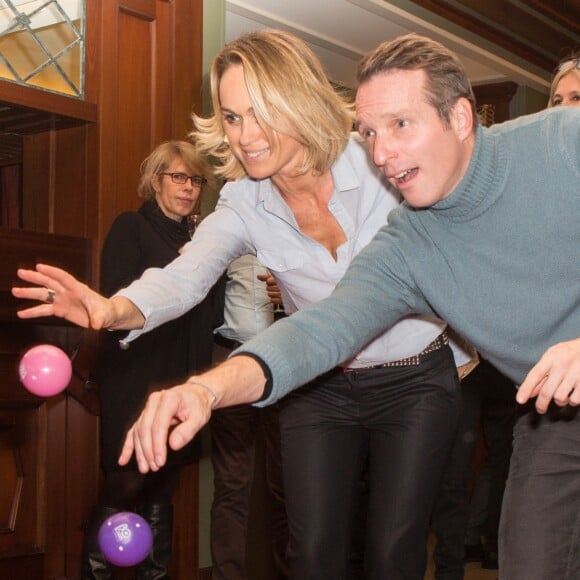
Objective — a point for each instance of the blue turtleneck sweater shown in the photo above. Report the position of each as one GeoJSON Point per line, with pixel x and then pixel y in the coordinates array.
{"type": "Point", "coordinates": [499, 259]}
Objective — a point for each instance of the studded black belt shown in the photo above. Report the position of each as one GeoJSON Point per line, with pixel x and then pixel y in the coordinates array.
{"type": "Point", "coordinates": [415, 360]}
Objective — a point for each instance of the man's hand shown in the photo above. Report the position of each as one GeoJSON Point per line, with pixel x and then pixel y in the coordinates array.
{"type": "Point", "coordinates": [555, 377]}
{"type": "Point", "coordinates": [173, 416]}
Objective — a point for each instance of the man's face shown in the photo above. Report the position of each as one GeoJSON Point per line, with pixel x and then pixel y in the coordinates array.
{"type": "Point", "coordinates": [408, 140]}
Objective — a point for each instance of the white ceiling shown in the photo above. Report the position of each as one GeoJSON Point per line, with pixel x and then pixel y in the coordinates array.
{"type": "Point", "coordinates": [341, 31]}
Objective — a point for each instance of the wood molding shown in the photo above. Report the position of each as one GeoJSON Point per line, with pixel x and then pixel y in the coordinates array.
{"type": "Point", "coordinates": [564, 12]}
{"type": "Point", "coordinates": [35, 110]}
{"type": "Point", "coordinates": [498, 95]}
{"type": "Point", "coordinates": [538, 31]}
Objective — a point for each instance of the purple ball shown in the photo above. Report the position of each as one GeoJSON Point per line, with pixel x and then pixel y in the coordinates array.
{"type": "Point", "coordinates": [125, 539]}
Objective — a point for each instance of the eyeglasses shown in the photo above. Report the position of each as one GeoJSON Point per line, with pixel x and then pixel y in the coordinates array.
{"type": "Point", "coordinates": [181, 179]}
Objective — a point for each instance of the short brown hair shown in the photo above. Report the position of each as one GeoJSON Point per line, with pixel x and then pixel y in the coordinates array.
{"type": "Point", "coordinates": [447, 80]}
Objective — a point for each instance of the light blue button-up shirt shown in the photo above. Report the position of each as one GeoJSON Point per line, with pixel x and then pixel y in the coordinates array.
{"type": "Point", "coordinates": [251, 217]}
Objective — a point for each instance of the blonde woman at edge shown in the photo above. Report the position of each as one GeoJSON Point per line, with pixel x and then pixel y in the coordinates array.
{"type": "Point", "coordinates": [565, 89]}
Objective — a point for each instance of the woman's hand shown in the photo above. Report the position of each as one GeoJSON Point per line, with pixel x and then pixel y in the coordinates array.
{"type": "Point", "coordinates": [62, 295]}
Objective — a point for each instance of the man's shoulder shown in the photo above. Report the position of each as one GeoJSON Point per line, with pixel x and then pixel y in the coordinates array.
{"type": "Point", "coordinates": [545, 120]}
{"type": "Point", "coordinates": [551, 133]}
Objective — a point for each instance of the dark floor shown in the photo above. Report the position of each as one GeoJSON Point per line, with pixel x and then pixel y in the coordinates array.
{"type": "Point", "coordinates": [473, 571]}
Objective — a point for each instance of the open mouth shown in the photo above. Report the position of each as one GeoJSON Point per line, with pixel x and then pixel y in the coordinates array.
{"type": "Point", "coordinates": [406, 175]}
{"type": "Point", "coordinates": [252, 155]}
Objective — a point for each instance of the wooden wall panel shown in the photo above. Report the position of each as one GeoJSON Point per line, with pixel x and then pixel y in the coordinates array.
{"type": "Point", "coordinates": [58, 194]}
{"type": "Point", "coordinates": [56, 473]}
{"type": "Point", "coordinates": [68, 199]}
{"type": "Point", "coordinates": [36, 184]}
{"type": "Point", "coordinates": [82, 450]}
{"type": "Point", "coordinates": [143, 79]}
{"type": "Point", "coordinates": [54, 438]}
{"type": "Point", "coordinates": [127, 101]}
{"type": "Point", "coordinates": [164, 74]}
{"type": "Point", "coordinates": [22, 439]}
{"type": "Point", "coordinates": [135, 90]}
{"type": "Point", "coordinates": [187, 64]}
{"type": "Point", "coordinates": [185, 527]}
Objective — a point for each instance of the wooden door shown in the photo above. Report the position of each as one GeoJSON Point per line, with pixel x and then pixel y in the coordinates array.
{"type": "Point", "coordinates": [80, 169]}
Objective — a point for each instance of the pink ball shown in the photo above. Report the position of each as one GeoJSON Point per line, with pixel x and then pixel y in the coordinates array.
{"type": "Point", "coordinates": [45, 370]}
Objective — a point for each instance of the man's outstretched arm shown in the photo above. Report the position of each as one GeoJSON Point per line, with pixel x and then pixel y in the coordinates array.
{"type": "Point", "coordinates": [174, 416]}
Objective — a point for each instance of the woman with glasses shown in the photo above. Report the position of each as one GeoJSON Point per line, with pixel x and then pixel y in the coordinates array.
{"type": "Point", "coordinates": [565, 88]}
{"type": "Point", "coordinates": [172, 178]}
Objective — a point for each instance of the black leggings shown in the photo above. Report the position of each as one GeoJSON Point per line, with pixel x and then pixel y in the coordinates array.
{"type": "Point", "coordinates": [401, 420]}
{"type": "Point", "coordinates": [125, 490]}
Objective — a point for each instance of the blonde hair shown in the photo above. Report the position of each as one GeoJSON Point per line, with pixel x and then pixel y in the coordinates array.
{"type": "Point", "coordinates": [447, 80]}
{"type": "Point", "coordinates": [570, 65]}
{"type": "Point", "coordinates": [290, 94]}
{"type": "Point", "coordinates": [161, 158]}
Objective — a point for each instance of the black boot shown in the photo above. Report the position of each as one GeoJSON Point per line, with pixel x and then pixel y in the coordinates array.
{"type": "Point", "coordinates": [156, 565]}
{"type": "Point", "coordinates": [94, 566]}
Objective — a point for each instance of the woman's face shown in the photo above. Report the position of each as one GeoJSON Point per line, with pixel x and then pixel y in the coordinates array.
{"type": "Point", "coordinates": [247, 140]}
{"type": "Point", "coordinates": [176, 200]}
{"type": "Point", "coordinates": [568, 90]}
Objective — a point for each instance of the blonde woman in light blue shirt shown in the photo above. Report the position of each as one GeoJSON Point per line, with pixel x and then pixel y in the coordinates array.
{"type": "Point", "coordinates": [305, 199]}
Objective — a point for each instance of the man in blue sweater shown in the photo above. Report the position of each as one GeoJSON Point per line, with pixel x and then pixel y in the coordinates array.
{"type": "Point", "coordinates": [489, 240]}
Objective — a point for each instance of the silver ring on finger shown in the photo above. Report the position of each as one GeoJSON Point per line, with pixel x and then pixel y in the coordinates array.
{"type": "Point", "coordinates": [50, 294]}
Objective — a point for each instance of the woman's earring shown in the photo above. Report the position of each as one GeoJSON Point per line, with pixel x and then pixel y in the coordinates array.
{"type": "Point", "coordinates": [226, 140]}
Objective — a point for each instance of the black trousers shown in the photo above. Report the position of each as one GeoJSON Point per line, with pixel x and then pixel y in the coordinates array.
{"type": "Point", "coordinates": [539, 535]}
{"type": "Point", "coordinates": [235, 433]}
{"type": "Point", "coordinates": [402, 420]}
